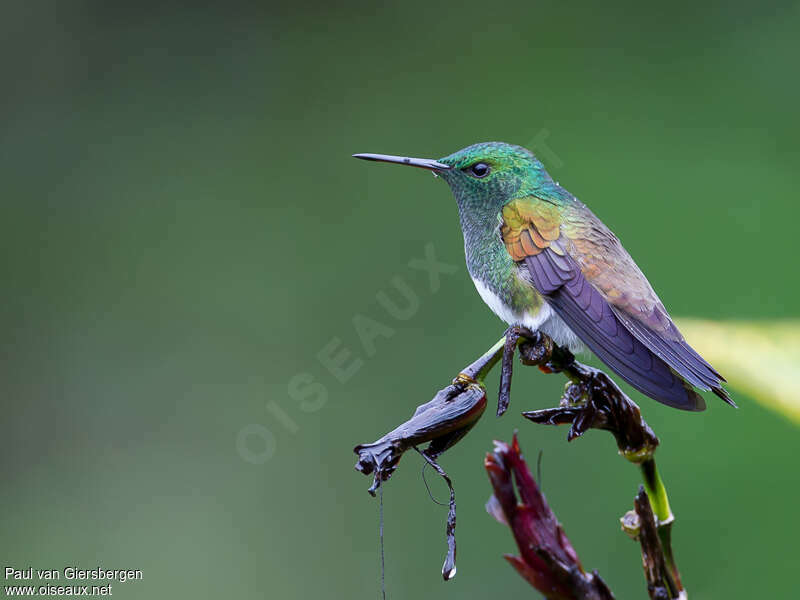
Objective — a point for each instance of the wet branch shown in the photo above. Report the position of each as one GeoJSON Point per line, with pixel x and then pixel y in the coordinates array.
{"type": "Point", "coordinates": [591, 400]}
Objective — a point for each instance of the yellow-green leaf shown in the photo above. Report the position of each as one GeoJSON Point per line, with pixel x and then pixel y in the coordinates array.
{"type": "Point", "coordinates": [761, 358]}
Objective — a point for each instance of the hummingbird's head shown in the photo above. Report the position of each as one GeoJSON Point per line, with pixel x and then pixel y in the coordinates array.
{"type": "Point", "coordinates": [492, 173]}
{"type": "Point", "coordinates": [486, 175]}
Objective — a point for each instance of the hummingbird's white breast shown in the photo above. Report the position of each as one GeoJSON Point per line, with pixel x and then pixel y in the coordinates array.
{"type": "Point", "coordinates": [545, 320]}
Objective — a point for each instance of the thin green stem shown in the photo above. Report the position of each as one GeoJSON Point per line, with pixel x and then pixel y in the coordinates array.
{"type": "Point", "coordinates": [479, 369]}
{"type": "Point", "coordinates": [656, 491]}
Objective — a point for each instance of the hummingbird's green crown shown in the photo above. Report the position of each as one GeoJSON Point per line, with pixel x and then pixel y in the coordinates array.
{"type": "Point", "coordinates": [499, 153]}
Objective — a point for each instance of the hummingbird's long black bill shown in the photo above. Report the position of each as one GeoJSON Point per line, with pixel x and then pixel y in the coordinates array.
{"type": "Point", "coordinates": [422, 163]}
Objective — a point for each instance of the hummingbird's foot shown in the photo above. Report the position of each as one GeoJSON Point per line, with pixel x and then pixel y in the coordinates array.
{"type": "Point", "coordinates": [514, 335]}
{"type": "Point", "coordinates": [541, 351]}
{"type": "Point", "coordinates": [535, 349]}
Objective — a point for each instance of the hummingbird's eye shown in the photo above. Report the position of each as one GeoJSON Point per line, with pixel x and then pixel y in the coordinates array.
{"type": "Point", "coordinates": [479, 169]}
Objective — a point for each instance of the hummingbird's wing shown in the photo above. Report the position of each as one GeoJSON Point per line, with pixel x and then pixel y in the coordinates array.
{"type": "Point", "coordinates": [592, 283]}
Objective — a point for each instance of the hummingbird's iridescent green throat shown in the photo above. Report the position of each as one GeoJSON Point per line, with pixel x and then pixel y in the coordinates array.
{"type": "Point", "coordinates": [540, 258]}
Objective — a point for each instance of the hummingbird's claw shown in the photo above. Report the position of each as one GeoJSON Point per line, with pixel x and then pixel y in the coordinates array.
{"type": "Point", "coordinates": [539, 345]}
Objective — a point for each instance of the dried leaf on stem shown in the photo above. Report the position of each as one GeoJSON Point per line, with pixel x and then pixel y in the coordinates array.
{"type": "Point", "coordinates": [547, 559]}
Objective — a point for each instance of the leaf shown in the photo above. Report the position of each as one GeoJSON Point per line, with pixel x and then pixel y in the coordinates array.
{"type": "Point", "coordinates": [760, 358]}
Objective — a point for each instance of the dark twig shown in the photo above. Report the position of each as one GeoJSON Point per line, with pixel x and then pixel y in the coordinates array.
{"type": "Point", "coordinates": [641, 525]}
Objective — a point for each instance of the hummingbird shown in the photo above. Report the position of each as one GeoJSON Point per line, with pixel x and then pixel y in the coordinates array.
{"type": "Point", "coordinates": [540, 259]}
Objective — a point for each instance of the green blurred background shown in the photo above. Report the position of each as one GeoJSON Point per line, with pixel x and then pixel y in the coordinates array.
{"type": "Point", "coordinates": [183, 231]}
